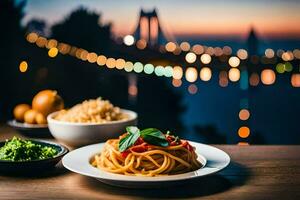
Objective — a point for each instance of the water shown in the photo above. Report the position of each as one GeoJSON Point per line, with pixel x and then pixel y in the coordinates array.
{"type": "Point", "coordinates": [238, 43]}
{"type": "Point", "coordinates": [274, 111]}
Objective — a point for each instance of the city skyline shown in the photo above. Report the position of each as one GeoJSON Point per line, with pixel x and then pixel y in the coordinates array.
{"type": "Point", "coordinates": [185, 18]}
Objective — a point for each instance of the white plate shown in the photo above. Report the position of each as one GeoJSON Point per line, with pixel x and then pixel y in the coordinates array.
{"type": "Point", "coordinates": [78, 161]}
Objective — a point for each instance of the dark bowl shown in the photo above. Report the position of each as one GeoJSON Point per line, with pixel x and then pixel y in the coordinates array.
{"type": "Point", "coordinates": [31, 130]}
{"type": "Point", "coordinates": [34, 166]}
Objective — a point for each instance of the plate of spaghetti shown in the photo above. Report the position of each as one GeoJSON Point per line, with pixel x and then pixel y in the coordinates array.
{"type": "Point", "coordinates": [146, 158]}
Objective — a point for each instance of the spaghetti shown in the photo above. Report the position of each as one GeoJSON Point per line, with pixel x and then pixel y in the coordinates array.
{"type": "Point", "coordinates": [144, 159]}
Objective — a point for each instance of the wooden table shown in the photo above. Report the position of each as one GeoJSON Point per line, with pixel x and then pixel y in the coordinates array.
{"type": "Point", "coordinates": [256, 172]}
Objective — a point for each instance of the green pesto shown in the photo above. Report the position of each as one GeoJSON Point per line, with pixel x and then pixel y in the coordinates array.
{"type": "Point", "coordinates": [17, 149]}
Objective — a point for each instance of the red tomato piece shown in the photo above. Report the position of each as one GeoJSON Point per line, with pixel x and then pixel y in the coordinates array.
{"type": "Point", "coordinates": [124, 154]}
{"type": "Point", "coordinates": [139, 141]}
{"type": "Point", "coordinates": [140, 148]}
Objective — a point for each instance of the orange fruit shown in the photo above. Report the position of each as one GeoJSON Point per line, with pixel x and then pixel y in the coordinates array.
{"type": "Point", "coordinates": [40, 118]}
{"type": "Point", "coordinates": [29, 116]}
{"type": "Point", "coordinates": [47, 101]}
{"type": "Point", "coordinates": [20, 110]}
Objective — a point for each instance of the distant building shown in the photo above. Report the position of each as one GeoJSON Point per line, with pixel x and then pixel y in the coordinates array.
{"type": "Point", "coordinates": [252, 42]}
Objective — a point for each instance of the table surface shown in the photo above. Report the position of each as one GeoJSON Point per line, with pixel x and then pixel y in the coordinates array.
{"type": "Point", "coordinates": [255, 172]}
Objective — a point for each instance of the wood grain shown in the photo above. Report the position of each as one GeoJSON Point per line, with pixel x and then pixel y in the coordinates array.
{"type": "Point", "coordinates": [256, 172]}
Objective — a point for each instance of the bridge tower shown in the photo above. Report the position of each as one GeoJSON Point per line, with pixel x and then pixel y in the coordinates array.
{"type": "Point", "coordinates": [149, 29]}
{"type": "Point", "coordinates": [252, 42]}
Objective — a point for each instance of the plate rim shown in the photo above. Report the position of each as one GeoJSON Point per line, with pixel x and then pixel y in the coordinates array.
{"type": "Point", "coordinates": [123, 178]}
{"type": "Point", "coordinates": [21, 125]}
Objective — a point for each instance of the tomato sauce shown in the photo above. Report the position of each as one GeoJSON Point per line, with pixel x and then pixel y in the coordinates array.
{"type": "Point", "coordinates": [141, 146]}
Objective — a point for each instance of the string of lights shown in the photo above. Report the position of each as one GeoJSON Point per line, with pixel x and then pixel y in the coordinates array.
{"type": "Point", "coordinates": [191, 74]}
{"type": "Point", "coordinates": [205, 53]}
{"type": "Point", "coordinates": [198, 49]}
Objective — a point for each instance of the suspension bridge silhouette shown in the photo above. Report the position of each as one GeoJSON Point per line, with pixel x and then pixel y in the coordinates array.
{"type": "Point", "coordinates": [149, 29]}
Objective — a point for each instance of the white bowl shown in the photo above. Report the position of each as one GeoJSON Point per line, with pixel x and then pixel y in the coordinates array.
{"type": "Point", "coordinates": [79, 134]}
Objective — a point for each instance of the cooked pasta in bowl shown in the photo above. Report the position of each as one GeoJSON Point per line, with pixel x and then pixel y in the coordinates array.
{"type": "Point", "coordinates": [92, 111]}
{"type": "Point", "coordinates": [91, 121]}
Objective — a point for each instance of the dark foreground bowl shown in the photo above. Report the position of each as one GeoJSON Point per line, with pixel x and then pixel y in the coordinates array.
{"type": "Point", "coordinates": [35, 166]}
{"type": "Point", "coordinates": [31, 130]}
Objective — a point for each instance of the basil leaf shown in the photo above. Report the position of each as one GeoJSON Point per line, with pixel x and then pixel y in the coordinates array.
{"type": "Point", "coordinates": [153, 132]}
{"type": "Point", "coordinates": [155, 137]}
{"type": "Point", "coordinates": [129, 140]}
{"type": "Point", "coordinates": [132, 129]}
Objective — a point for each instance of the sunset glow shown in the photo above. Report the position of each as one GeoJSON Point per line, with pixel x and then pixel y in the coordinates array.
{"type": "Point", "coordinates": [279, 19]}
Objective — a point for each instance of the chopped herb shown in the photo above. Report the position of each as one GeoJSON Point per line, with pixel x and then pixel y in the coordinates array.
{"type": "Point", "coordinates": [177, 139]}
{"type": "Point", "coordinates": [17, 149]}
